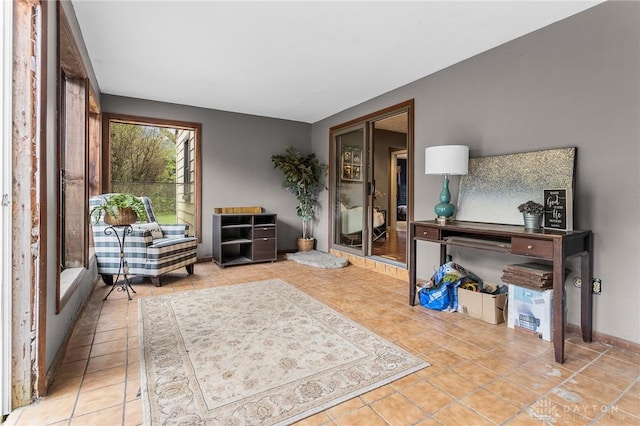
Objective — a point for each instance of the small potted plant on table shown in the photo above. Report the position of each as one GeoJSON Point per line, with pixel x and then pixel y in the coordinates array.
{"type": "Point", "coordinates": [532, 214]}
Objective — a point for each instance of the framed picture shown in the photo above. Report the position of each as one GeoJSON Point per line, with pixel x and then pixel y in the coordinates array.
{"type": "Point", "coordinates": [356, 157]}
{"type": "Point", "coordinates": [558, 209]}
{"type": "Point", "coordinates": [351, 163]}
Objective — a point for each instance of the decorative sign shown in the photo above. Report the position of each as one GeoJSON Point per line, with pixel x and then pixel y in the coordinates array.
{"type": "Point", "coordinates": [558, 209]}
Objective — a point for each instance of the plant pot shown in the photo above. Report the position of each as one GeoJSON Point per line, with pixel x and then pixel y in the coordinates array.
{"type": "Point", "coordinates": [126, 216]}
{"type": "Point", "coordinates": [305, 244]}
{"type": "Point", "coordinates": [532, 221]}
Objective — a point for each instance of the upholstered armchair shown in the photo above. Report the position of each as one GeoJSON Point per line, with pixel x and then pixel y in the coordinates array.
{"type": "Point", "coordinates": [149, 250]}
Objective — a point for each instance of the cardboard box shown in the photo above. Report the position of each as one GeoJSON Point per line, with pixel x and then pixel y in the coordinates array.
{"type": "Point", "coordinates": [531, 311]}
{"type": "Point", "coordinates": [487, 307]}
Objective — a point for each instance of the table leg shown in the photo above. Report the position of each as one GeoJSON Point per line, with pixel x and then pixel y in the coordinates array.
{"type": "Point", "coordinates": [123, 268]}
{"type": "Point", "coordinates": [586, 293]}
{"type": "Point", "coordinates": [412, 266]}
{"type": "Point", "coordinates": [558, 301]}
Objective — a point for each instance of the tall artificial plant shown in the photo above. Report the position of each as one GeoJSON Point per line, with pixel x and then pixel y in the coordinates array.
{"type": "Point", "coordinates": [304, 178]}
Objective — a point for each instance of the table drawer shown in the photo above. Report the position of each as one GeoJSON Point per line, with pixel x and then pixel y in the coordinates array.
{"type": "Point", "coordinates": [427, 233]}
{"type": "Point", "coordinates": [264, 232]}
{"type": "Point", "coordinates": [532, 247]}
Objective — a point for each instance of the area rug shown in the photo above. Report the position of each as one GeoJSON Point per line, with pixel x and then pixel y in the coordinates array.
{"type": "Point", "coordinates": [318, 259]}
{"type": "Point", "coordinates": [255, 353]}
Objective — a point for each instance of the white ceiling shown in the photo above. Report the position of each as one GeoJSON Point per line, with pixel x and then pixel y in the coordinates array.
{"type": "Point", "coordinates": [294, 60]}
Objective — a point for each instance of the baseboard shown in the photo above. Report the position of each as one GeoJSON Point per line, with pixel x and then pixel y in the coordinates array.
{"type": "Point", "coordinates": [606, 339]}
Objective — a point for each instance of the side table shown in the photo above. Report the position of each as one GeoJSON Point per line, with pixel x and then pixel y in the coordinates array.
{"type": "Point", "coordinates": [123, 268]}
{"type": "Point", "coordinates": [546, 244]}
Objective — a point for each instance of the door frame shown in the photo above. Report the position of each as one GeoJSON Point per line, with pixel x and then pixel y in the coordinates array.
{"type": "Point", "coordinates": [366, 121]}
{"type": "Point", "coordinates": [393, 194]}
{"type": "Point", "coordinates": [6, 58]}
{"type": "Point", "coordinates": [334, 177]}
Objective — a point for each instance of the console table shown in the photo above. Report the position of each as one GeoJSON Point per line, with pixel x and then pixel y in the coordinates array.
{"type": "Point", "coordinates": [553, 246]}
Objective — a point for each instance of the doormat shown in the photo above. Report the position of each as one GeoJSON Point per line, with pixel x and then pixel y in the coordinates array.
{"type": "Point", "coordinates": [318, 259]}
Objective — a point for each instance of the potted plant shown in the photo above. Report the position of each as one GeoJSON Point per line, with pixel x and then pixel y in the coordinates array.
{"type": "Point", "coordinates": [303, 177]}
{"type": "Point", "coordinates": [532, 214]}
{"type": "Point", "coordinates": [120, 209]}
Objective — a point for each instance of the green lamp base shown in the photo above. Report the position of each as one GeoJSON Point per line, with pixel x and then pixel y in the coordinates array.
{"type": "Point", "coordinates": [444, 209]}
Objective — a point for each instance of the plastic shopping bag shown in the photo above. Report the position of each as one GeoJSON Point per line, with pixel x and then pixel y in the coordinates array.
{"type": "Point", "coordinates": [442, 292]}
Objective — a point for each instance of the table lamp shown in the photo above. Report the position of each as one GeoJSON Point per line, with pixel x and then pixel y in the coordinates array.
{"type": "Point", "coordinates": [446, 160]}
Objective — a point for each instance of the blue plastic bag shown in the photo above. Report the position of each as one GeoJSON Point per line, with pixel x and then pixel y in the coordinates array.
{"type": "Point", "coordinates": [443, 293]}
{"type": "Point", "coordinates": [436, 298]}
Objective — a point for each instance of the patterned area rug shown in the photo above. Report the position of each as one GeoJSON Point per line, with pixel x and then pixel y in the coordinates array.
{"type": "Point", "coordinates": [255, 353]}
{"type": "Point", "coordinates": [318, 259]}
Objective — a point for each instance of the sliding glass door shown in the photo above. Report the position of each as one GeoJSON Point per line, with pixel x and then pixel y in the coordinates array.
{"type": "Point", "coordinates": [350, 180]}
{"type": "Point", "coordinates": [371, 183]}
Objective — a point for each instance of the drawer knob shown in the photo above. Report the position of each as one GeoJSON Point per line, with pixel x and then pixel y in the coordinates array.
{"type": "Point", "coordinates": [530, 247]}
{"type": "Point", "coordinates": [425, 233]}
{"type": "Point", "coordinates": [265, 239]}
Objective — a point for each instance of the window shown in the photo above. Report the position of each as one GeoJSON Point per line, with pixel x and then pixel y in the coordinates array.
{"type": "Point", "coordinates": [76, 110]}
{"type": "Point", "coordinates": [73, 165]}
{"type": "Point", "coordinates": [185, 150]}
{"type": "Point", "coordinates": [156, 158]}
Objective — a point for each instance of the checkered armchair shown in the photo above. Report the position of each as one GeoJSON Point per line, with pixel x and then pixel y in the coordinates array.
{"type": "Point", "coordinates": [149, 250]}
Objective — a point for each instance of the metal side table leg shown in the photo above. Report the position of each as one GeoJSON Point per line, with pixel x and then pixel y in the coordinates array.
{"type": "Point", "coordinates": [123, 267]}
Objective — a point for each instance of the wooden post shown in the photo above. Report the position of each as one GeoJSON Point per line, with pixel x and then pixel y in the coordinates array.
{"type": "Point", "coordinates": [28, 286]}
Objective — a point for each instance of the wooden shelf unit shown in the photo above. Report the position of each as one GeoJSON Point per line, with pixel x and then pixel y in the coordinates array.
{"type": "Point", "coordinates": [242, 238]}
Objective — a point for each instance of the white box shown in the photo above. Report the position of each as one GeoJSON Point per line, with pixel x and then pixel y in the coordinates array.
{"type": "Point", "coordinates": [531, 311]}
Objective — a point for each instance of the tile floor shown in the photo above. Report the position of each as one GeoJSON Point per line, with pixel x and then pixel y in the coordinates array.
{"type": "Point", "coordinates": [480, 374]}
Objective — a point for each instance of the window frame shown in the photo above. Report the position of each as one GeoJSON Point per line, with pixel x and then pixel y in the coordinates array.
{"type": "Point", "coordinates": [72, 230]}
{"type": "Point", "coordinates": [108, 118]}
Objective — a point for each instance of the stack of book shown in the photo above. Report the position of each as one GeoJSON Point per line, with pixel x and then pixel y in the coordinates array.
{"type": "Point", "coordinates": [534, 275]}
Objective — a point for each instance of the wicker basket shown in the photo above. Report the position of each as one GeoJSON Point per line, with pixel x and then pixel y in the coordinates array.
{"type": "Point", "coordinates": [306, 244]}
{"type": "Point", "coordinates": [126, 216]}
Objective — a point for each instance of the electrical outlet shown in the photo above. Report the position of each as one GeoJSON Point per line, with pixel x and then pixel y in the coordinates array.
{"type": "Point", "coordinates": [597, 286]}
{"type": "Point", "coordinates": [577, 282]}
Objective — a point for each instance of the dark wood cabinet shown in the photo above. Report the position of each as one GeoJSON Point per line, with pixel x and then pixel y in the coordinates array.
{"type": "Point", "coordinates": [242, 238]}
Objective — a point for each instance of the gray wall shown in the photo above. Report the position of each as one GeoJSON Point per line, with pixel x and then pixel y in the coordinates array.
{"type": "Point", "coordinates": [236, 160]}
{"type": "Point", "coordinates": [573, 83]}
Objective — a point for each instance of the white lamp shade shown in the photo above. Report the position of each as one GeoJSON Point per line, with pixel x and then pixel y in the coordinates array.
{"type": "Point", "coordinates": [446, 160]}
